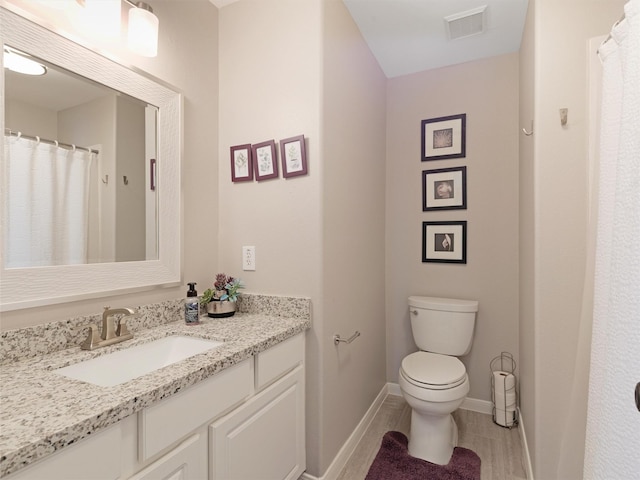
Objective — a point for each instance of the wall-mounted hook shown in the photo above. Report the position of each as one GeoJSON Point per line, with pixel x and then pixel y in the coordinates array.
{"type": "Point", "coordinates": [125, 180]}
{"type": "Point", "coordinates": [564, 113]}
{"type": "Point", "coordinates": [529, 133]}
{"type": "Point", "coordinates": [105, 180]}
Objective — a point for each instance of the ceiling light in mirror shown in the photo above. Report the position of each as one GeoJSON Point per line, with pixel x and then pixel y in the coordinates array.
{"type": "Point", "coordinates": [21, 63]}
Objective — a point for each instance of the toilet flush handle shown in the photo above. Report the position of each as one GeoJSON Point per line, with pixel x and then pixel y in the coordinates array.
{"type": "Point", "coordinates": [414, 312]}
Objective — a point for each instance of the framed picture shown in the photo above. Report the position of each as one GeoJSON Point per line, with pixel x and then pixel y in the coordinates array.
{"type": "Point", "coordinates": [444, 242]}
{"type": "Point", "coordinates": [444, 189]}
{"type": "Point", "coordinates": [241, 163]}
{"type": "Point", "coordinates": [294, 156]}
{"type": "Point", "coordinates": [265, 163]}
{"type": "Point", "coordinates": [444, 137]}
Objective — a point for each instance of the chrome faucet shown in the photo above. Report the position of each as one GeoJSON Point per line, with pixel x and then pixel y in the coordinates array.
{"type": "Point", "coordinates": [113, 331]}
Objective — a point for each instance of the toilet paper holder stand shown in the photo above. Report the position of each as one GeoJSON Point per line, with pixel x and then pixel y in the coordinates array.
{"type": "Point", "coordinates": [504, 396]}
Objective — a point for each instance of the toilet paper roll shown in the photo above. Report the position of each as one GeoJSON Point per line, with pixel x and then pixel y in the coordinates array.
{"type": "Point", "coordinates": [506, 418]}
{"type": "Point", "coordinates": [504, 390]}
{"type": "Point", "coordinates": [503, 400]}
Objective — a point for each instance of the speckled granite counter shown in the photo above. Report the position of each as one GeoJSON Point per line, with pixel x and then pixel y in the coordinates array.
{"type": "Point", "coordinates": [41, 411]}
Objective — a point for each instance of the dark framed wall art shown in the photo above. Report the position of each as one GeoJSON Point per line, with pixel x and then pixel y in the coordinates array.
{"type": "Point", "coordinates": [264, 160]}
{"type": "Point", "coordinates": [294, 156]}
{"type": "Point", "coordinates": [444, 137]}
{"type": "Point", "coordinates": [241, 163]}
{"type": "Point", "coordinates": [444, 242]}
{"type": "Point", "coordinates": [444, 189]}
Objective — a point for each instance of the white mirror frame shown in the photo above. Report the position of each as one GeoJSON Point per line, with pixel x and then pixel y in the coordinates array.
{"type": "Point", "coordinates": [31, 287]}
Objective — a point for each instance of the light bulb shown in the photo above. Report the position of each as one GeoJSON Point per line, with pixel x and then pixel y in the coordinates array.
{"type": "Point", "coordinates": [142, 36]}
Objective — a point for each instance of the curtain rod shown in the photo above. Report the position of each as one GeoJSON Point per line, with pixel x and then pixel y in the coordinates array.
{"type": "Point", "coordinates": [609, 37]}
{"type": "Point", "coordinates": [8, 131]}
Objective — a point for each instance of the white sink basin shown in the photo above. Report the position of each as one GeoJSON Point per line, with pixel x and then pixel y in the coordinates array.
{"type": "Point", "coordinates": [124, 365]}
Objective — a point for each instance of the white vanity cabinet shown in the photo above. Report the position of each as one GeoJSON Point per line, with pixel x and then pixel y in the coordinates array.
{"type": "Point", "coordinates": [245, 422]}
{"type": "Point", "coordinates": [264, 439]}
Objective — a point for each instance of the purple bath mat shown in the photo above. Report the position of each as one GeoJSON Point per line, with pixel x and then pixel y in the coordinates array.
{"type": "Point", "coordinates": [393, 462]}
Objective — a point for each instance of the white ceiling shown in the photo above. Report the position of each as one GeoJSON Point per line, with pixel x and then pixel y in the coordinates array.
{"type": "Point", "coordinates": [409, 36]}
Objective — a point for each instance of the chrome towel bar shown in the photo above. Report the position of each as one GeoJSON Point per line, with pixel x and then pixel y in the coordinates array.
{"type": "Point", "coordinates": [337, 339]}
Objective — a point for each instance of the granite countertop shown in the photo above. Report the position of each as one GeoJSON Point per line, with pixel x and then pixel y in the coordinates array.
{"type": "Point", "coordinates": [42, 412]}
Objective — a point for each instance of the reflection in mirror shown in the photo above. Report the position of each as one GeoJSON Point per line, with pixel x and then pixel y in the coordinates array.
{"type": "Point", "coordinates": [79, 186]}
{"type": "Point", "coordinates": [122, 256]}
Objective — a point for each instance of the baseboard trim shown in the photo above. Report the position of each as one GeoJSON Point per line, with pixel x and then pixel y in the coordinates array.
{"type": "Point", "coordinates": [350, 445]}
{"type": "Point", "coordinates": [394, 389]}
{"type": "Point", "coordinates": [476, 405]}
{"type": "Point", "coordinates": [525, 447]}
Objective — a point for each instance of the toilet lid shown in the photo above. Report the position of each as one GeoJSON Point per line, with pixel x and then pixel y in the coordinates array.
{"type": "Point", "coordinates": [433, 369]}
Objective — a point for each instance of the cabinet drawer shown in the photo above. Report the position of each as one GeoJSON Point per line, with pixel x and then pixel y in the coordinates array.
{"type": "Point", "coordinates": [173, 418]}
{"type": "Point", "coordinates": [79, 462]}
{"type": "Point", "coordinates": [278, 360]}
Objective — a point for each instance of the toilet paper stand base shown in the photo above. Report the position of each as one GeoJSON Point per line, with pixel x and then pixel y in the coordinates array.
{"type": "Point", "coordinates": [504, 390]}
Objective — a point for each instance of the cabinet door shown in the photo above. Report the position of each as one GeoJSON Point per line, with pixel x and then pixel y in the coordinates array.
{"type": "Point", "coordinates": [188, 461]}
{"type": "Point", "coordinates": [263, 439]}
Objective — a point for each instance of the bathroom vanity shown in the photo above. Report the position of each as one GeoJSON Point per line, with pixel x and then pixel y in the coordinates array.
{"type": "Point", "coordinates": [233, 412]}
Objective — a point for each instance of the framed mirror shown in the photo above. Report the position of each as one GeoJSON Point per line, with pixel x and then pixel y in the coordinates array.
{"type": "Point", "coordinates": [124, 186]}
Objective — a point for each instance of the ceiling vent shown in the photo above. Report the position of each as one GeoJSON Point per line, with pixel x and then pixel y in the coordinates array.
{"type": "Point", "coordinates": [466, 24]}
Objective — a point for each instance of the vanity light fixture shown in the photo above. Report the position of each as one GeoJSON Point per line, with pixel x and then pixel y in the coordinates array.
{"type": "Point", "coordinates": [142, 35]}
{"type": "Point", "coordinates": [19, 62]}
{"type": "Point", "coordinates": [142, 28]}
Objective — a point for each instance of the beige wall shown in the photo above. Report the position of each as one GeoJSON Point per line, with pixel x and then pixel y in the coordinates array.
{"type": "Point", "coordinates": [130, 197]}
{"type": "Point", "coordinates": [558, 208]}
{"type": "Point", "coordinates": [270, 89]}
{"type": "Point", "coordinates": [182, 25]}
{"type": "Point", "coordinates": [30, 120]}
{"type": "Point", "coordinates": [294, 67]}
{"type": "Point", "coordinates": [353, 128]}
{"type": "Point", "coordinates": [527, 340]}
{"type": "Point", "coordinates": [487, 91]}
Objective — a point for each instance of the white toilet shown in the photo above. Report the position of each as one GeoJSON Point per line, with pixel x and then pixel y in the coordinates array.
{"type": "Point", "coordinates": [433, 381]}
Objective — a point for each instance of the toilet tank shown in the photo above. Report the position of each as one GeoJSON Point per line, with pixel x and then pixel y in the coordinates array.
{"type": "Point", "coordinates": [443, 325]}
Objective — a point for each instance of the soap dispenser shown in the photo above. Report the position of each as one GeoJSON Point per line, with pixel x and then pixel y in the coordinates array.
{"type": "Point", "coordinates": [192, 306]}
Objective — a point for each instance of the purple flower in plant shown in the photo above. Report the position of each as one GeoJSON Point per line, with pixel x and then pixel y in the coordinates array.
{"type": "Point", "coordinates": [221, 281]}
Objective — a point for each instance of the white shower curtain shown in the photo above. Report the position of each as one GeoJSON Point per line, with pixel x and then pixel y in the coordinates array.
{"type": "Point", "coordinates": [612, 447]}
{"type": "Point", "coordinates": [47, 204]}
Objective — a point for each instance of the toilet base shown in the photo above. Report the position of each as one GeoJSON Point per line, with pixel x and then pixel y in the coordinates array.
{"type": "Point", "coordinates": [432, 437]}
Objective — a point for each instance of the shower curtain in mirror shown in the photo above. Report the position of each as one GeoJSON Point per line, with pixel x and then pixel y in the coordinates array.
{"type": "Point", "coordinates": [46, 211]}
{"type": "Point", "coordinates": [612, 447]}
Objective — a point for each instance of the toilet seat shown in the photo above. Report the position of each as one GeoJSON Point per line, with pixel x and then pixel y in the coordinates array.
{"type": "Point", "coordinates": [433, 371]}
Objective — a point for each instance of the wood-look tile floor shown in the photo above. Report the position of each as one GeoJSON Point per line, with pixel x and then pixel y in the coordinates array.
{"type": "Point", "coordinates": [499, 449]}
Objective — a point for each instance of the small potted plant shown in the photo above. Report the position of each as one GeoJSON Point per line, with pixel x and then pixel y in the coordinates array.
{"type": "Point", "coordinates": [220, 301]}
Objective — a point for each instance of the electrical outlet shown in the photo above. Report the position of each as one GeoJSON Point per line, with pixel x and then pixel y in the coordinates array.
{"type": "Point", "coordinates": [248, 258]}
